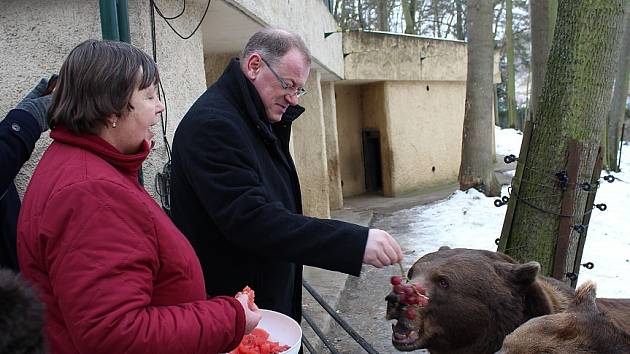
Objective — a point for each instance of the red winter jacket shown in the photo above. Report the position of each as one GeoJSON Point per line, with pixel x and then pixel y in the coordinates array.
{"type": "Point", "coordinates": [115, 274]}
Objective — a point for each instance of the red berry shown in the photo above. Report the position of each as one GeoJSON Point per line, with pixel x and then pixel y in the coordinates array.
{"type": "Point", "coordinates": [409, 290]}
{"type": "Point", "coordinates": [419, 288]}
{"type": "Point", "coordinates": [411, 300]}
{"type": "Point", "coordinates": [410, 313]}
{"type": "Point", "coordinates": [423, 300]}
{"type": "Point", "coordinates": [395, 280]}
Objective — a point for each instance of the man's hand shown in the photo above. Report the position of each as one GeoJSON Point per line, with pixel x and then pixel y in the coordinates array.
{"type": "Point", "coordinates": [37, 105]}
{"type": "Point", "coordinates": [381, 249]}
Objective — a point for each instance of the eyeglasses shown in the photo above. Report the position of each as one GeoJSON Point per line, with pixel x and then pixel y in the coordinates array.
{"type": "Point", "coordinates": [296, 91]}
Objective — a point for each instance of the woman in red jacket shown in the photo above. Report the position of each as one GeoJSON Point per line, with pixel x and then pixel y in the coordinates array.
{"type": "Point", "coordinates": [115, 274]}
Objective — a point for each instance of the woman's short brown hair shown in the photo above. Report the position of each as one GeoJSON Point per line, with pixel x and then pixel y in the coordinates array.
{"type": "Point", "coordinates": [97, 80]}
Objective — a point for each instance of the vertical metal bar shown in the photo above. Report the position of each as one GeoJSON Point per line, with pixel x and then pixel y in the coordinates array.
{"type": "Point", "coordinates": [362, 342]}
{"type": "Point", "coordinates": [590, 201]}
{"type": "Point", "coordinates": [109, 20]}
{"type": "Point", "coordinates": [122, 14]}
{"type": "Point", "coordinates": [320, 334]}
{"type": "Point", "coordinates": [516, 185]}
{"type": "Point", "coordinates": [567, 208]}
{"type": "Point", "coordinates": [623, 129]}
{"type": "Point", "coordinates": [308, 345]}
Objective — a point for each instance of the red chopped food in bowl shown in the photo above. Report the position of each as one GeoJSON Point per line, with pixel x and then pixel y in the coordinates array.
{"type": "Point", "coordinates": [258, 342]}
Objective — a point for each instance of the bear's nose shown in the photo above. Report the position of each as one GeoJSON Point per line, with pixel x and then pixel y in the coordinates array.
{"type": "Point", "coordinates": [392, 297]}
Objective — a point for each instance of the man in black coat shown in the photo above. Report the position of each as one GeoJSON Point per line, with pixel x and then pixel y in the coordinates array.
{"type": "Point", "coordinates": [19, 131]}
{"type": "Point", "coordinates": [235, 191]}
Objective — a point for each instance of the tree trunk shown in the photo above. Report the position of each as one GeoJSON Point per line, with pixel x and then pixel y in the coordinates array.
{"type": "Point", "coordinates": [572, 113]}
{"type": "Point", "coordinates": [409, 13]}
{"type": "Point", "coordinates": [360, 14]}
{"type": "Point", "coordinates": [383, 8]}
{"type": "Point", "coordinates": [511, 77]}
{"type": "Point", "coordinates": [542, 24]}
{"type": "Point", "coordinates": [620, 92]}
{"type": "Point", "coordinates": [476, 169]}
{"type": "Point", "coordinates": [459, 25]}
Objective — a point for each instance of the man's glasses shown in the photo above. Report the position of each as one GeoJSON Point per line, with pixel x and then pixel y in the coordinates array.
{"type": "Point", "coordinates": [296, 91]}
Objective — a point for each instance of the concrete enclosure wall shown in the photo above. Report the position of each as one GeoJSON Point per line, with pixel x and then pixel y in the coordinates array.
{"type": "Point", "coordinates": [309, 145]}
{"type": "Point", "coordinates": [426, 135]}
{"type": "Point", "coordinates": [349, 126]}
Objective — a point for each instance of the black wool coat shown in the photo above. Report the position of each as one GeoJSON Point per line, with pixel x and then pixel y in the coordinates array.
{"type": "Point", "coordinates": [18, 133]}
{"type": "Point", "coordinates": [236, 196]}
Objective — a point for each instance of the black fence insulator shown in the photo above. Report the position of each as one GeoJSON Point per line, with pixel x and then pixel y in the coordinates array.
{"type": "Point", "coordinates": [563, 178]}
{"type": "Point", "coordinates": [510, 158]}
{"type": "Point", "coordinates": [501, 202]}
{"type": "Point", "coordinates": [601, 206]}
{"type": "Point", "coordinates": [609, 178]}
{"type": "Point", "coordinates": [497, 241]}
{"type": "Point", "coordinates": [588, 265]}
{"type": "Point", "coordinates": [586, 187]}
{"type": "Point", "coordinates": [572, 276]}
{"type": "Point", "coordinates": [320, 334]}
{"type": "Point", "coordinates": [579, 228]}
{"type": "Point", "coordinates": [362, 342]}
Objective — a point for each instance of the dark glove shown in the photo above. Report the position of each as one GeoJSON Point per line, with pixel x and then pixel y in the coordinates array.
{"type": "Point", "coordinates": [37, 105]}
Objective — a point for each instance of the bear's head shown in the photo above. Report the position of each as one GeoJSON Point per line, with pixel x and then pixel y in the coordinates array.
{"type": "Point", "coordinates": [475, 298]}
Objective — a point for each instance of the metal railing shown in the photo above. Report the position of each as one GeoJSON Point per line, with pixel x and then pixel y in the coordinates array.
{"type": "Point", "coordinates": [346, 327]}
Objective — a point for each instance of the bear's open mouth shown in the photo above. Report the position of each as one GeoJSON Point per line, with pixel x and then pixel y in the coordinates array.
{"type": "Point", "coordinates": [405, 337]}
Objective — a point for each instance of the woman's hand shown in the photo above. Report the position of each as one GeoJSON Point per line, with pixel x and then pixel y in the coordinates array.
{"type": "Point", "coordinates": [252, 314]}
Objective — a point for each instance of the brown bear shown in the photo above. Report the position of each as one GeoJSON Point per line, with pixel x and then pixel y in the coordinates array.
{"type": "Point", "coordinates": [582, 329]}
{"type": "Point", "coordinates": [476, 298]}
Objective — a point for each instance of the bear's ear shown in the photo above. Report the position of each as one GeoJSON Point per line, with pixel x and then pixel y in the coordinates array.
{"type": "Point", "coordinates": [585, 297]}
{"type": "Point", "coordinates": [444, 248]}
{"type": "Point", "coordinates": [525, 274]}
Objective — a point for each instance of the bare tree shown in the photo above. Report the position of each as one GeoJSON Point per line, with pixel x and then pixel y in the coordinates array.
{"type": "Point", "coordinates": [542, 17]}
{"type": "Point", "coordinates": [459, 24]}
{"type": "Point", "coordinates": [551, 199]}
{"type": "Point", "coordinates": [476, 169]}
{"type": "Point", "coordinates": [409, 12]}
{"type": "Point", "coordinates": [511, 77]}
{"type": "Point", "coordinates": [620, 92]}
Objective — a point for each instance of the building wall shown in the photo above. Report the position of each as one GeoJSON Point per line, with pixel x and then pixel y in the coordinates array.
{"type": "Point", "coordinates": [309, 148]}
{"type": "Point", "coordinates": [36, 37]}
{"type": "Point", "coordinates": [310, 19]}
{"type": "Point", "coordinates": [39, 34]}
{"type": "Point", "coordinates": [335, 196]}
{"type": "Point", "coordinates": [215, 65]}
{"type": "Point", "coordinates": [181, 66]}
{"type": "Point", "coordinates": [377, 115]}
{"type": "Point", "coordinates": [349, 124]}
{"type": "Point", "coordinates": [426, 132]}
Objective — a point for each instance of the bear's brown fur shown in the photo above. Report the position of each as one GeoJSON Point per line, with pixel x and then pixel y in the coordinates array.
{"type": "Point", "coordinates": [476, 298]}
{"type": "Point", "coordinates": [581, 329]}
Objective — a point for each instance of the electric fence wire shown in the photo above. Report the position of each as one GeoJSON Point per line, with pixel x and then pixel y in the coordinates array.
{"type": "Point", "coordinates": [167, 19]}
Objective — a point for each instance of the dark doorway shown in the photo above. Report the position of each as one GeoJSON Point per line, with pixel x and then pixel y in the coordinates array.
{"type": "Point", "coordinates": [372, 160]}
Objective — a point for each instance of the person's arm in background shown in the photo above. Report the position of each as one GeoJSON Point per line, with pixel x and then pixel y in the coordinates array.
{"type": "Point", "coordinates": [19, 131]}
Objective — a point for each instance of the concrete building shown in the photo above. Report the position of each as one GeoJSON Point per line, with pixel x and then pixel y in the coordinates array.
{"type": "Point", "coordinates": [391, 105]}
{"type": "Point", "coordinates": [400, 109]}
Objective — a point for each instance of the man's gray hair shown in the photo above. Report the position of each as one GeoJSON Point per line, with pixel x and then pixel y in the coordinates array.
{"type": "Point", "coordinates": [272, 44]}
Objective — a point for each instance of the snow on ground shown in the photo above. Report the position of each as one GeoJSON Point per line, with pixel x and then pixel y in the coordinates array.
{"type": "Point", "coordinates": [470, 220]}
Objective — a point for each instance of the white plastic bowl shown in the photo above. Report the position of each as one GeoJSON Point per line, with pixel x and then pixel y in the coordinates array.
{"type": "Point", "coordinates": [282, 329]}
